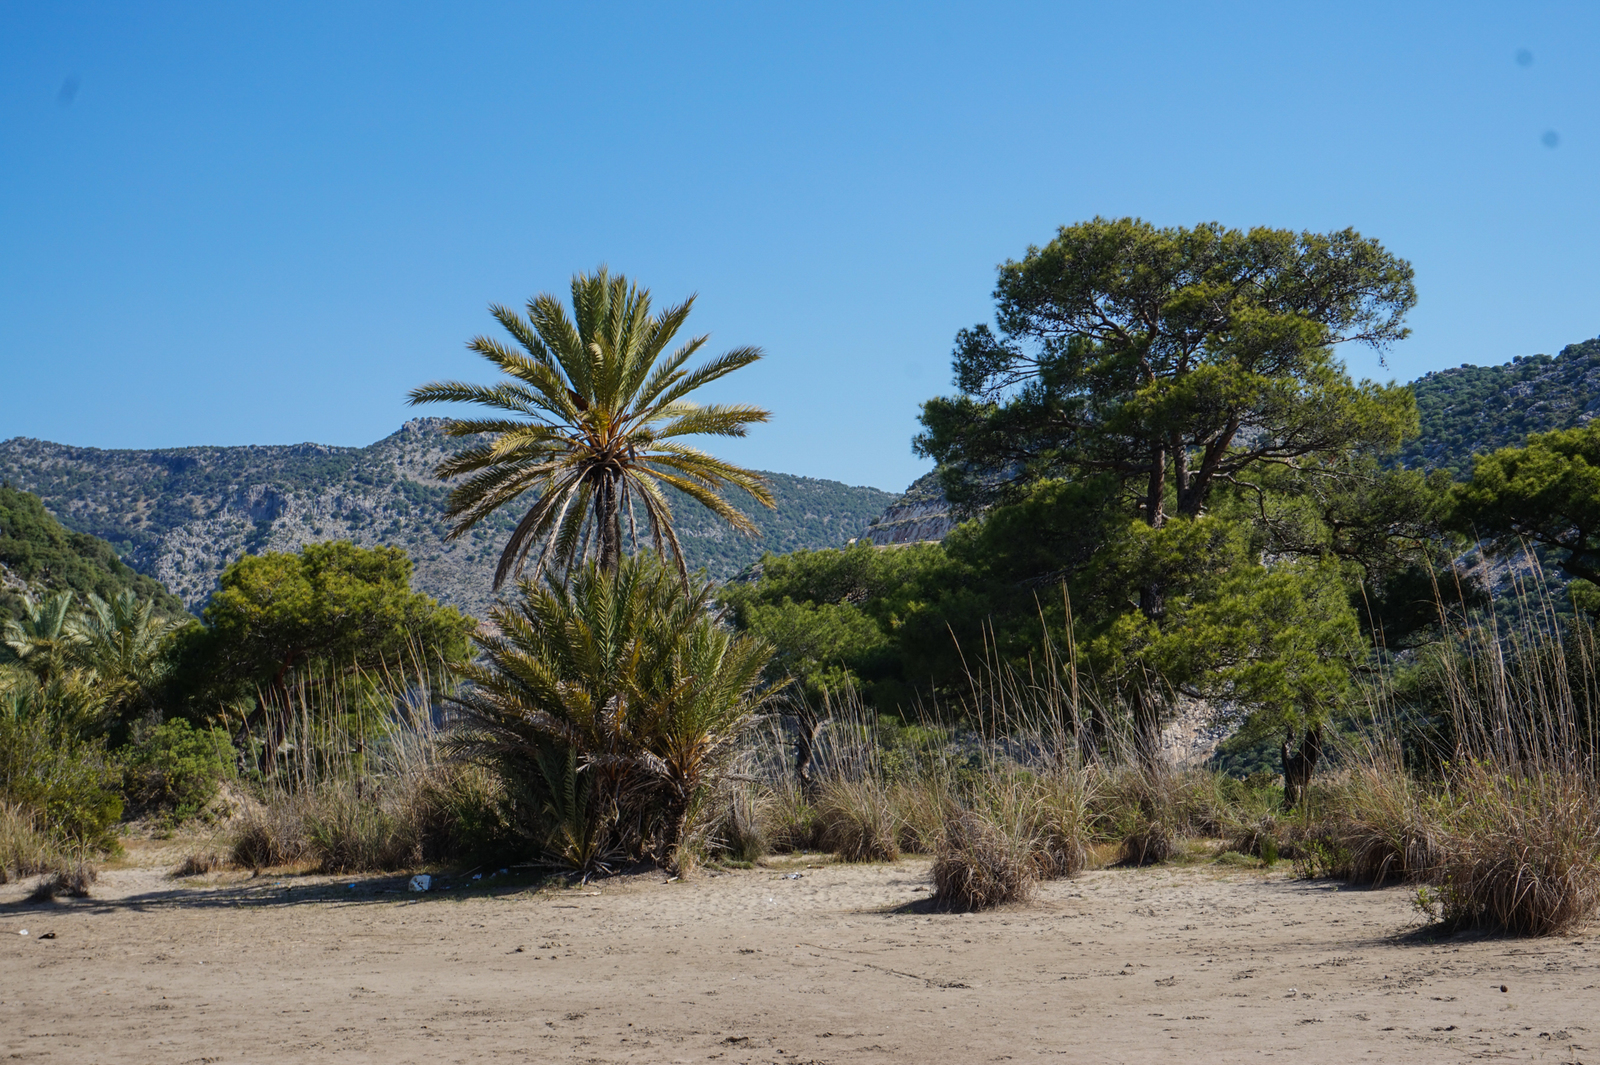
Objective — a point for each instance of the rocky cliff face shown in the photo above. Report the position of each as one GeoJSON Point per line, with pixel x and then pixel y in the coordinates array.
{"type": "Point", "coordinates": [921, 514]}
{"type": "Point", "coordinates": [181, 515]}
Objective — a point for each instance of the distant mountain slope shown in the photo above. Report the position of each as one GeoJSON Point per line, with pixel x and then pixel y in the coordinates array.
{"type": "Point", "coordinates": [39, 555]}
{"type": "Point", "coordinates": [1472, 409]}
{"type": "Point", "coordinates": [182, 514]}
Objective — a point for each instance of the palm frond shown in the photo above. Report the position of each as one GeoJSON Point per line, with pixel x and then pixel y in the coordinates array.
{"type": "Point", "coordinates": [591, 412]}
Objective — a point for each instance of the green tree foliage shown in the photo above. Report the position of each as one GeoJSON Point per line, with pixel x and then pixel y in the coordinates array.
{"type": "Point", "coordinates": [1188, 374]}
{"type": "Point", "coordinates": [608, 707]}
{"type": "Point", "coordinates": [331, 606]}
{"type": "Point", "coordinates": [839, 618]}
{"type": "Point", "coordinates": [36, 549]}
{"type": "Point", "coordinates": [1172, 360]}
{"type": "Point", "coordinates": [1249, 636]}
{"type": "Point", "coordinates": [1546, 494]}
{"type": "Point", "coordinates": [591, 423]}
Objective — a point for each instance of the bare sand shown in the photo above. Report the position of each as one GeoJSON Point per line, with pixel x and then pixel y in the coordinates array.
{"type": "Point", "coordinates": [844, 964]}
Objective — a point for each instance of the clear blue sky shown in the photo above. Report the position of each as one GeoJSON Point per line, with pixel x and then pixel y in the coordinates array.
{"type": "Point", "coordinates": [263, 223]}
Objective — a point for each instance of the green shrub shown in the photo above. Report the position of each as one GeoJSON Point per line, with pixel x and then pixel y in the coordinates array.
{"type": "Point", "coordinates": [69, 786]}
{"type": "Point", "coordinates": [177, 768]}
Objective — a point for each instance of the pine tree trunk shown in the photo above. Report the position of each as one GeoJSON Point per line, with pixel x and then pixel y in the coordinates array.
{"type": "Point", "coordinates": [805, 745]}
{"type": "Point", "coordinates": [1299, 765]}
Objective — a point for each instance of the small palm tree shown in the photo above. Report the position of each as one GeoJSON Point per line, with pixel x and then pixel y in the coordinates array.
{"type": "Point", "coordinates": [609, 706]}
{"type": "Point", "coordinates": [591, 422]}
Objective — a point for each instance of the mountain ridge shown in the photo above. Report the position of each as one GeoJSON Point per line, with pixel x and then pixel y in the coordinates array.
{"type": "Point", "coordinates": [182, 514]}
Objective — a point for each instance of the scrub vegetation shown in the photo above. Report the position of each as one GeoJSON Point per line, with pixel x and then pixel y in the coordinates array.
{"type": "Point", "coordinates": [1177, 504]}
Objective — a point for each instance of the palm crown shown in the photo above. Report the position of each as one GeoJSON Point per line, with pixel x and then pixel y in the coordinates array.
{"type": "Point", "coordinates": [591, 423]}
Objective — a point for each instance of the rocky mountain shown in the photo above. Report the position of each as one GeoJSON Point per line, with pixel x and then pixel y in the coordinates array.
{"type": "Point", "coordinates": [921, 513]}
{"type": "Point", "coordinates": [182, 514]}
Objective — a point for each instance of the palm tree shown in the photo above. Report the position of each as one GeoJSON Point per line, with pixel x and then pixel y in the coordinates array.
{"type": "Point", "coordinates": [609, 706]}
{"type": "Point", "coordinates": [591, 423]}
{"type": "Point", "coordinates": [42, 640]}
{"type": "Point", "coordinates": [124, 644]}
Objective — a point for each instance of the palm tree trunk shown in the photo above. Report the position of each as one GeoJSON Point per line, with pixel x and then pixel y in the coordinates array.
{"type": "Point", "coordinates": [608, 516]}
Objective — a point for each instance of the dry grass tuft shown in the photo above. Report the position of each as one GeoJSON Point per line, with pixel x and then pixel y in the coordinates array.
{"type": "Point", "coordinates": [791, 822]}
{"type": "Point", "coordinates": [200, 863]}
{"type": "Point", "coordinates": [746, 814]}
{"type": "Point", "coordinates": [983, 863]}
{"type": "Point", "coordinates": [919, 806]}
{"type": "Point", "coordinates": [72, 878]}
{"type": "Point", "coordinates": [1382, 827]}
{"type": "Point", "coordinates": [1150, 843]}
{"type": "Point", "coordinates": [1522, 852]}
{"type": "Point", "coordinates": [24, 850]}
{"type": "Point", "coordinates": [857, 820]}
{"type": "Point", "coordinates": [1258, 837]}
{"type": "Point", "coordinates": [1060, 851]}
{"type": "Point", "coordinates": [270, 833]}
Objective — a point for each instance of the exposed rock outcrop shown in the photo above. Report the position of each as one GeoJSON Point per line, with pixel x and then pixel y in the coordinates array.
{"type": "Point", "coordinates": [919, 515]}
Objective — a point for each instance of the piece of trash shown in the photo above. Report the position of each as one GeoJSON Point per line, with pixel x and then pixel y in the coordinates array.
{"type": "Point", "coordinates": [671, 879]}
{"type": "Point", "coordinates": [23, 932]}
{"type": "Point", "coordinates": [352, 887]}
{"type": "Point", "coordinates": [48, 935]}
{"type": "Point", "coordinates": [421, 882]}
{"type": "Point", "coordinates": [791, 876]}
{"type": "Point", "coordinates": [477, 876]}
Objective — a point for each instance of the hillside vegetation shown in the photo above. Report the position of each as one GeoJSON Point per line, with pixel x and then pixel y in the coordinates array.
{"type": "Point", "coordinates": [39, 555]}
{"type": "Point", "coordinates": [181, 515]}
{"type": "Point", "coordinates": [1472, 410]}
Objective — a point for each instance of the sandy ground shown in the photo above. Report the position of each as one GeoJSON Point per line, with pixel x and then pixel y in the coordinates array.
{"type": "Point", "coordinates": [844, 964]}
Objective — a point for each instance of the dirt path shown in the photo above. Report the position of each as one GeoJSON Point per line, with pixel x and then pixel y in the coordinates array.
{"type": "Point", "coordinates": [842, 965]}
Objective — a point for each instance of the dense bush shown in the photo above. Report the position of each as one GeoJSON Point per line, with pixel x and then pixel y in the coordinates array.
{"type": "Point", "coordinates": [71, 785]}
{"type": "Point", "coordinates": [176, 768]}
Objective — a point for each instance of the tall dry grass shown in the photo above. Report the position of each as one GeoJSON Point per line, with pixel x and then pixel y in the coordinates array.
{"type": "Point", "coordinates": [1505, 827]}
{"type": "Point", "coordinates": [998, 807]}
{"type": "Point", "coordinates": [24, 849]}
{"type": "Point", "coordinates": [355, 779]}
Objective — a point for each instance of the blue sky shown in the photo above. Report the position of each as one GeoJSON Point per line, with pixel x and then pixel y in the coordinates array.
{"type": "Point", "coordinates": [239, 223]}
